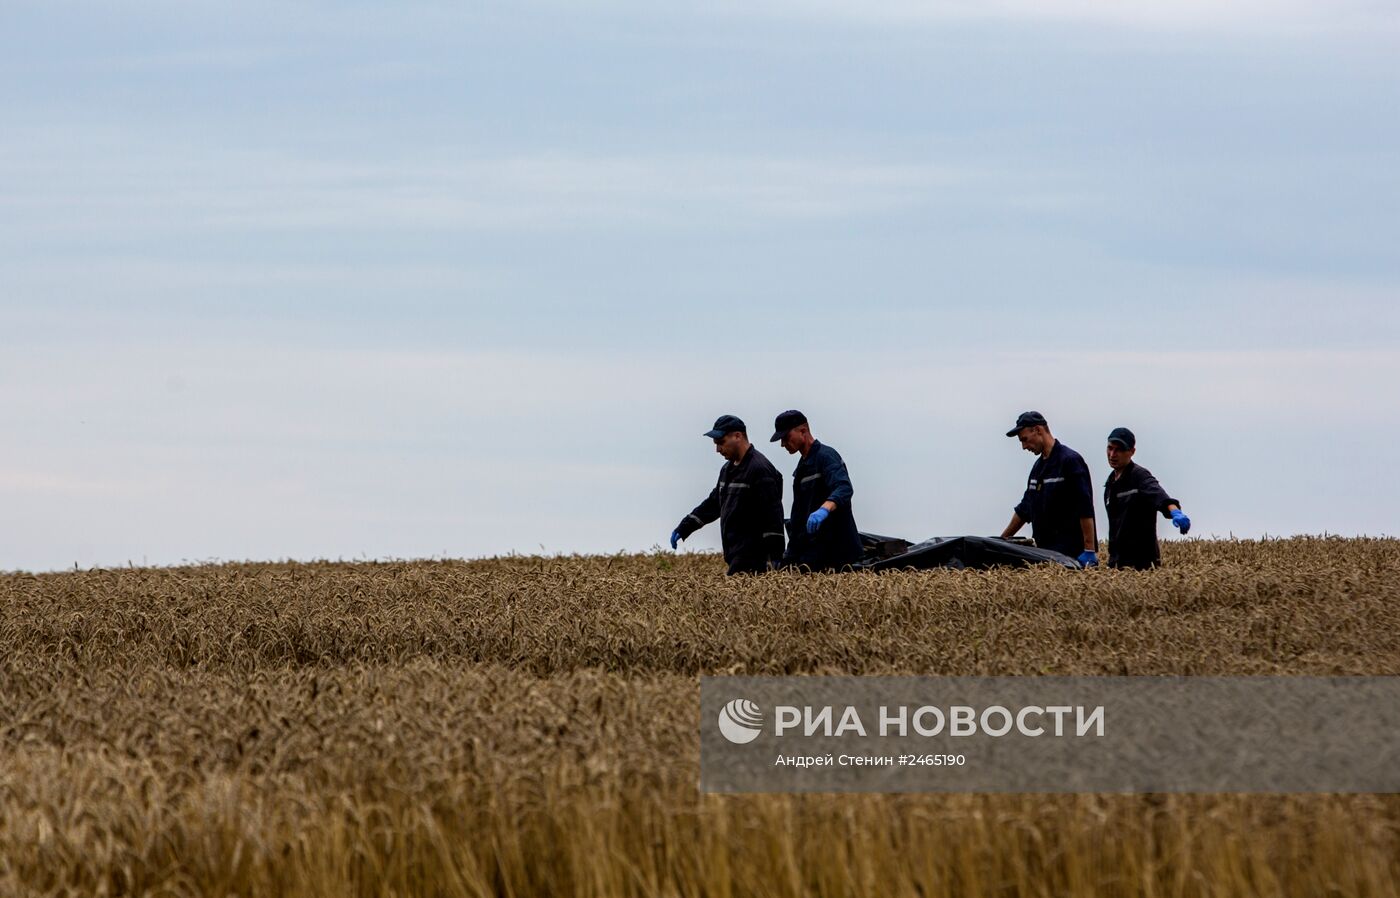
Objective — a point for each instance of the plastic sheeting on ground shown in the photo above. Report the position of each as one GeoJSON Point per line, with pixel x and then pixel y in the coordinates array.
{"type": "Point", "coordinates": [884, 553]}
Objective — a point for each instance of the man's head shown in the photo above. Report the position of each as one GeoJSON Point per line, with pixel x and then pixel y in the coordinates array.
{"type": "Point", "coordinates": [791, 430]}
{"type": "Point", "coordinates": [731, 437]}
{"type": "Point", "coordinates": [1034, 432]}
{"type": "Point", "coordinates": [1122, 445]}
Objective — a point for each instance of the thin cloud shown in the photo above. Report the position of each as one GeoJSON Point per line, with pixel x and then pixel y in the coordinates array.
{"type": "Point", "coordinates": [1192, 15]}
{"type": "Point", "coordinates": [144, 186]}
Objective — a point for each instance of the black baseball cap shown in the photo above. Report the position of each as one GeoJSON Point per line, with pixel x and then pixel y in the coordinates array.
{"type": "Point", "coordinates": [1026, 419]}
{"type": "Point", "coordinates": [785, 422]}
{"type": "Point", "coordinates": [1123, 437]}
{"type": "Point", "coordinates": [725, 424]}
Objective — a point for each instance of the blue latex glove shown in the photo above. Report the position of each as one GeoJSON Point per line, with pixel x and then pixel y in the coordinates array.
{"type": "Point", "coordinates": [675, 538]}
{"type": "Point", "coordinates": [1180, 521]}
{"type": "Point", "coordinates": [814, 520]}
{"type": "Point", "coordinates": [1088, 558]}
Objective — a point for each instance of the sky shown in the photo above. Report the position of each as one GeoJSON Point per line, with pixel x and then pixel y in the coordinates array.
{"type": "Point", "coordinates": [353, 280]}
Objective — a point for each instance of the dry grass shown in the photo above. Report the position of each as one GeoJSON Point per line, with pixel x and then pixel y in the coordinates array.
{"type": "Point", "coordinates": [527, 726]}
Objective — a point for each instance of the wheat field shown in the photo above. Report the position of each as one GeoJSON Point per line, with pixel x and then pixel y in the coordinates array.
{"type": "Point", "coordinates": [528, 726]}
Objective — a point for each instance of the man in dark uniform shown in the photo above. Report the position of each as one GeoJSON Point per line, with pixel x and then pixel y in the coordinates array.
{"type": "Point", "coordinates": [1059, 498]}
{"type": "Point", "coordinates": [1134, 499]}
{"type": "Point", "coordinates": [822, 533]}
{"type": "Point", "coordinates": [747, 500]}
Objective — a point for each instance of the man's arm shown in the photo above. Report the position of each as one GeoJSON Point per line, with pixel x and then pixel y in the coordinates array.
{"type": "Point", "coordinates": [1020, 515]}
{"type": "Point", "coordinates": [1179, 519]}
{"type": "Point", "coordinates": [1169, 507]}
{"type": "Point", "coordinates": [1084, 505]}
{"type": "Point", "coordinates": [1091, 537]}
{"type": "Point", "coordinates": [770, 515]}
{"type": "Point", "coordinates": [838, 481]}
{"type": "Point", "coordinates": [705, 513]}
{"type": "Point", "coordinates": [1158, 496]}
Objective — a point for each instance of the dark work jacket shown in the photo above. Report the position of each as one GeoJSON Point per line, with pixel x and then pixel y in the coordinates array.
{"type": "Point", "coordinates": [1134, 500]}
{"type": "Point", "coordinates": [1058, 494]}
{"type": "Point", "coordinates": [819, 477]}
{"type": "Point", "coordinates": [748, 501]}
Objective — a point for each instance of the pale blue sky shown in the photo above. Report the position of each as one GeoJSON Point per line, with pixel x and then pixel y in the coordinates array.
{"type": "Point", "coordinates": [352, 280]}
